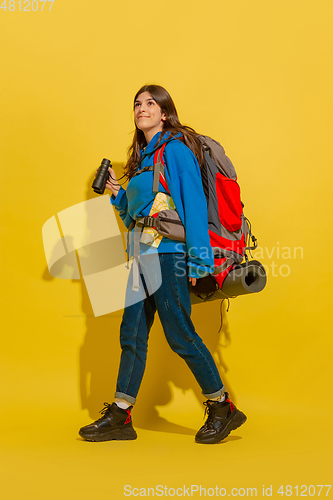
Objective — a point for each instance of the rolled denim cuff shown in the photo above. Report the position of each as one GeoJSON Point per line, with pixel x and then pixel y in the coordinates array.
{"type": "Point", "coordinates": [216, 394]}
{"type": "Point", "coordinates": [127, 398]}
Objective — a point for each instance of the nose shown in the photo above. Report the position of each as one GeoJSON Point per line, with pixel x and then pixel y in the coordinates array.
{"type": "Point", "coordinates": [143, 107]}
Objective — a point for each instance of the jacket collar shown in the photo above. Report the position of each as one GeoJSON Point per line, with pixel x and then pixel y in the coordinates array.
{"type": "Point", "coordinates": [151, 147]}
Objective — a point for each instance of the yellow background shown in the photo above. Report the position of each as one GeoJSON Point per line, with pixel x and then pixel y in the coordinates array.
{"type": "Point", "coordinates": [255, 75]}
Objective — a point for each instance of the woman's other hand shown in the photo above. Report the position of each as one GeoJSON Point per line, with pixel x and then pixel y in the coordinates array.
{"type": "Point", "coordinates": [192, 281]}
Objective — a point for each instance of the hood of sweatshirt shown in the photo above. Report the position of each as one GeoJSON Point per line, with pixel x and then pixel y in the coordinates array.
{"type": "Point", "coordinates": [157, 143]}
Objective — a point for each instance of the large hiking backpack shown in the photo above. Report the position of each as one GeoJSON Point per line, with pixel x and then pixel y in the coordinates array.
{"type": "Point", "coordinates": [229, 229]}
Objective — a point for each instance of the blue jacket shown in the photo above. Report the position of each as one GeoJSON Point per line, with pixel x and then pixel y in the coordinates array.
{"type": "Point", "coordinates": [183, 177]}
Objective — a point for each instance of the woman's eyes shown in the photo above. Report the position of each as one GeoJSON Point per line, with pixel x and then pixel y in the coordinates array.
{"type": "Point", "coordinates": [137, 104]}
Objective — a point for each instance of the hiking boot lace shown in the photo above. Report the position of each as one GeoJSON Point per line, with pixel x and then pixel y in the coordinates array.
{"type": "Point", "coordinates": [104, 411]}
{"type": "Point", "coordinates": [210, 409]}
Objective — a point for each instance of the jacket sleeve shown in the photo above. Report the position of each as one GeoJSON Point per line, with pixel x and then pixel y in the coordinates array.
{"type": "Point", "coordinates": [184, 181]}
{"type": "Point", "coordinates": [120, 203]}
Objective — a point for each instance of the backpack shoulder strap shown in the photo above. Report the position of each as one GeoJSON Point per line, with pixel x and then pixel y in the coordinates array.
{"type": "Point", "coordinates": [215, 151]}
{"type": "Point", "coordinates": [159, 170]}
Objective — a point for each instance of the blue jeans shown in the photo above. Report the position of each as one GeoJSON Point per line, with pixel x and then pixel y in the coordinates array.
{"type": "Point", "coordinates": [173, 304]}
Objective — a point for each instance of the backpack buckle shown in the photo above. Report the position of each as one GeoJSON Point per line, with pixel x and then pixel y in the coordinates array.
{"type": "Point", "coordinates": [149, 221]}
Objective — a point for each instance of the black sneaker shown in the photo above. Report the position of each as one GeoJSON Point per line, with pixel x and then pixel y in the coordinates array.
{"type": "Point", "coordinates": [223, 417]}
{"type": "Point", "coordinates": [115, 423]}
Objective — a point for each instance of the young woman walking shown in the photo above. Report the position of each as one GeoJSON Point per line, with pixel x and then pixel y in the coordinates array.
{"type": "Point", "coordinates": [164, 288]}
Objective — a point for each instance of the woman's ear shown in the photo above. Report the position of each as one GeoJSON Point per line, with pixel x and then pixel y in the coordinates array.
{"type": "Point", "coordinates": [164, 117]}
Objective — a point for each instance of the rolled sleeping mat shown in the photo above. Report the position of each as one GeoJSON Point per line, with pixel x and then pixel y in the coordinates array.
{"type": "Point", "coordinates": [249, 277]}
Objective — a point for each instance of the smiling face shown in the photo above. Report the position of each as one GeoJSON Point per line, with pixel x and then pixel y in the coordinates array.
{"type": "Point", "coordinates": [148, 115]}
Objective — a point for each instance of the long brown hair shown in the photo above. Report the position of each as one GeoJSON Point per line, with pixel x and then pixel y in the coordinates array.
{"type": "Point", "coordinates": [171, 124]}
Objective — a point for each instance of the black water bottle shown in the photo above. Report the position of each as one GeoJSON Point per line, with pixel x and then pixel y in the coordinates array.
{"type": "Point", "coordinates": [102, 176]}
